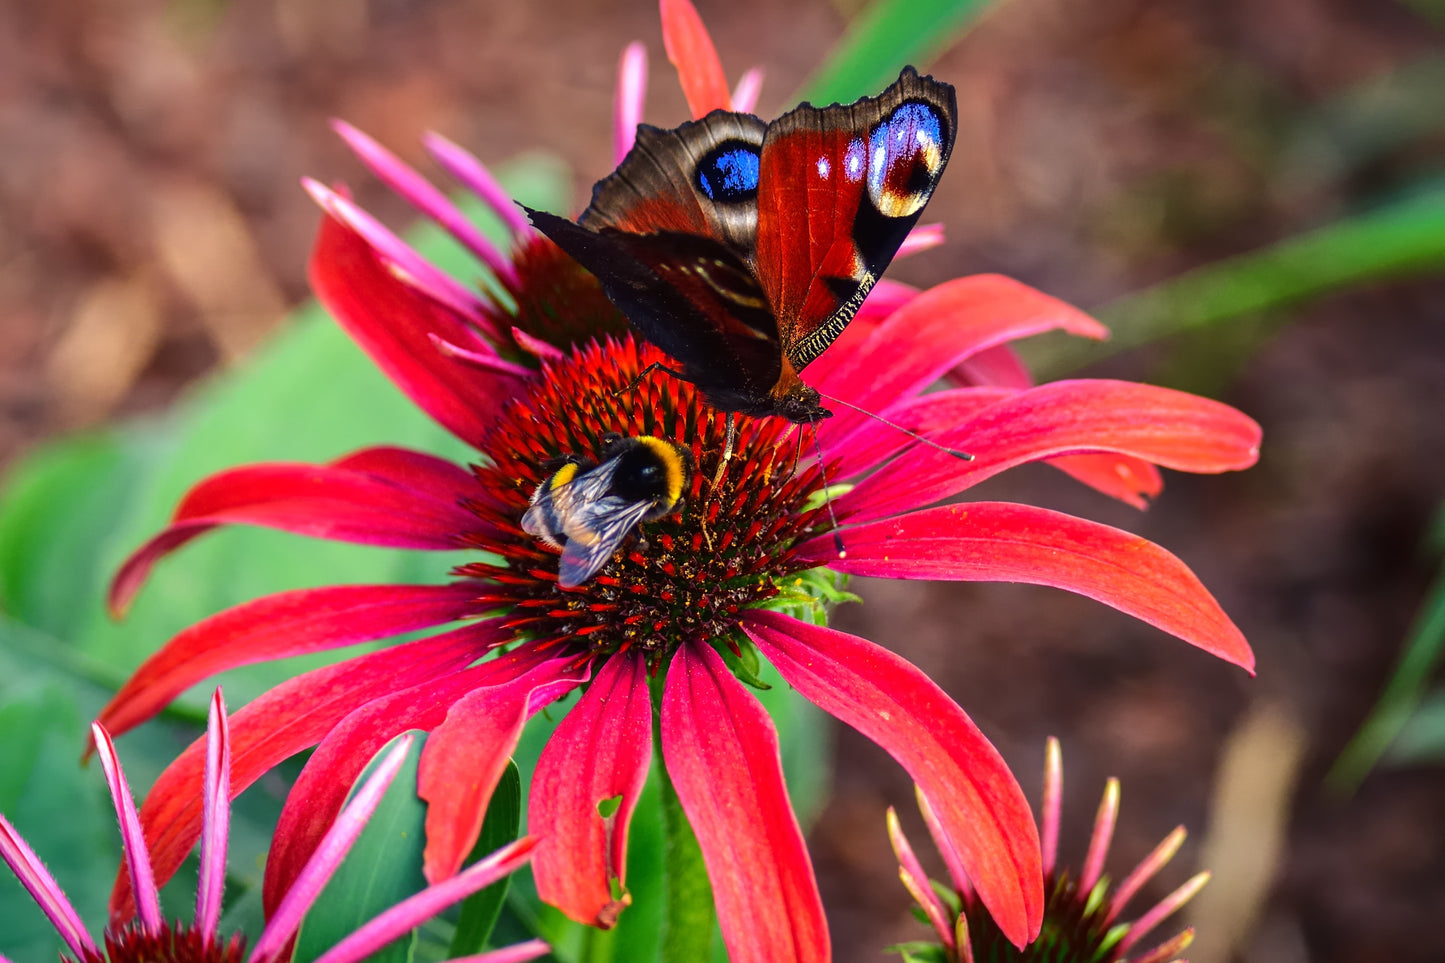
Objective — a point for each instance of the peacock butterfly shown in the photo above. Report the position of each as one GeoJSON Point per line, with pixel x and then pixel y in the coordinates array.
{"type": "Point", "coordinates": [743, 248]}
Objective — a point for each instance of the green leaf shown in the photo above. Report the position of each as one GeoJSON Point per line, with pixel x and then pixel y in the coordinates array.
{"type": "Point", "coordinates": [60, 809]}
{"type": "Point", "coordinates": [382, 869]}
{"type": "Point", "coordinates": [480, 910]}
{"type": "Point", "coordinates": [884, 38]}
{"type": "Point", "coordinates": [71, 513]}
{"type": "Point", "coordinates": [1401, 240]}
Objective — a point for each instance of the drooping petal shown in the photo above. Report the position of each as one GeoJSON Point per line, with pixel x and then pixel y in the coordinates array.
{"type": "Point", "coordinates": [1007, 542]}
{"type": "Point", "coordinates": [999, 365]}
{"type": "Point", "coordinates": [293, 716]}
{"type": "Point", "coordinates": [321, 787]}
{"type": "Point", "coordinates": [976, 798]}
{"type": "Point", "coordinates": [391, 321]}
{"type": "Point", "coordinates": [722, 755]}
{"type": "Point", "coordinates": [467, 753]}
{"type": "Point", "coordinates": [286, 921]}
{"type": "Point", "coordinates": [404, 262]}
{"type": "Point", "coordinates": [931, 415]}
{"type": "Point", "coordinates": [379, 496]}
{"type": "Point", "coordinates": [599, 752]}
{"type": "Point", "coordinates": [934, 332]}
{"type": "Point", "coordinates": [215, 819]}
{"type": "Point", "coordinates": [474, 175]}
{"type": "Point", "coordinates": [46, 892]}
{"type": "Point", "coordinates": [1160, 425]}
{"type": "Point", "coordinates": [1131, 480]}
{"type": "Point", "coordinates": [414, 910]}
{"type": "Point", "coordinates": [691, 51]}
{"type": "Point", "coordinates": [631, 91]}
{"type": "Point", "coordinates": [423, 195]}
{"type": "Point", "coordinates": [278, 626]}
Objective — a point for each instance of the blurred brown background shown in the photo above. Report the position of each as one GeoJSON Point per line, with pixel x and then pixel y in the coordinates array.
{"type": "Point", "coordinates": [152, 231]}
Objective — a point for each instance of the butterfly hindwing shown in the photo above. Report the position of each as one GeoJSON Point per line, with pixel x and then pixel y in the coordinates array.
{"type": "Point", "coordinates": [841, 188]}
{"type": "Point", "coordinates": [688, 294]}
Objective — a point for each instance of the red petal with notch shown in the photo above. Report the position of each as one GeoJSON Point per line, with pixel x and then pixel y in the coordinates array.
{"type": "Point", "coordinates": [278, 626]}
{"type": "Point", "coordinates": [1007, 542]}
{"type": "Point", "coordinates": [393, 323]}
{"type": "Point", "coordinates": [999, 365]}
{"type": "Point", "coordinates": [323, 784]}
{"type": "Point", "coordinates": [936, 331]}
{"type": "Point", "coordinates": [691, 51]}
{"type": "Point", "coordinates": [1160, 425]}
{"type": "Point", "coordinates": [293, 716]}
{"type": "Point", "coordinates": [379, 496]}
{"type": "Point", "coordinates": [600, 751]}
{"type": "Point", "coordinates": [1133, 481]}
{"type": "Point", "coordinates": [979, 802]}
{"type": "Point", "coordinates": [466, 755]}
{"type": "Point", "coordinates": [722, 755]}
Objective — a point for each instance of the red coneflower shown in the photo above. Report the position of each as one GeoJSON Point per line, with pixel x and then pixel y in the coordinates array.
{"type": "Point", "coordinates": [149, 937]}
{"type": "Point", "coordinates": [546, 375]}
{"type": "Point", "coordinates": [1081, 915]}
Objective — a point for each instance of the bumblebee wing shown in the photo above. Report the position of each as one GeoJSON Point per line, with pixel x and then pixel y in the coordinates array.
{"type": "Point", "coordinates": [546, 517]}
{"type": "Point", "coordinates": [593, 534]}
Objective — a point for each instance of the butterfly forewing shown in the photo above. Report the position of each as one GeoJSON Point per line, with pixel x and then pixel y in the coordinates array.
{"type": "Point", "coordinates": [700, 178]}
{"type": "Point", "coordinates": [842, 187]}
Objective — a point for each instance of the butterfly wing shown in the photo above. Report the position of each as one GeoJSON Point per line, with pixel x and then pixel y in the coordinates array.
{"type": "Point", "coordinates": [841, 188]}
{"type": "Point", "coordinates": [691, 296]}
{"type": "Point", "coordinates": [700, 178]}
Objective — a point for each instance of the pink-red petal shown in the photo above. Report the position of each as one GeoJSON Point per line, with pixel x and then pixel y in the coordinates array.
{"type": "Point", "coordinates": [935, 331]}
{"type": "Point", "coordinates": [1006, 542]}
{"type": "Point", "coordinates": [393, 322]}
{"type": "Point", "coordinates": [1166, 427]}
{"type": "Point", "coordinates": [690, 49]}
{"type": "Point", "coordinates": [465, 756]}
{"type": "Point", "coordinates": [1133, 481]}
{"type": "Point", "coordinates": [599, 752]}
{"type": "Point", "coordinates": [885, 698]}
{"type": "Point", "coordinates": [293, 716]}
{"type": "Point", "coordinates": [722, 755]}
{"type": "Point", "coordinates": [322, 786]}
{"type": "Point", "coordinates": [278, 626]}
{"type": "Point", "coordinates": [379, 496]}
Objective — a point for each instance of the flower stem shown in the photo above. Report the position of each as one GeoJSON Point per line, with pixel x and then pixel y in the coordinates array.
{"type": "Point", "coordinates": [689, 916]}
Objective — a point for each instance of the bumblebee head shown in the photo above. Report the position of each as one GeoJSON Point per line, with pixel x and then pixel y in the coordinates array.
{"type": "Point", "coordinates": [650, 469]}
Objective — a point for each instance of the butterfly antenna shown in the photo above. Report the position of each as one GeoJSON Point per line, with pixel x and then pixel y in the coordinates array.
{"type": "Point", "coordinates": [954, 452]}
{"type": "Point", "coordinates": [828, 499]}
{"type": "Point", "coordinates": [732, 434]}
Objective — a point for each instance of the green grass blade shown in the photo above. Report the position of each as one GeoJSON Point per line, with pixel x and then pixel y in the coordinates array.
{"type": "Point", "coordinates": [881, 40]}
{"type": "Point", "coordinates": [1402, 240]}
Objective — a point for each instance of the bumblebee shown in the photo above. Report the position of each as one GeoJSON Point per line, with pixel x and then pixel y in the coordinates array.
{"type": "Point", "coordinates": [586, 509]}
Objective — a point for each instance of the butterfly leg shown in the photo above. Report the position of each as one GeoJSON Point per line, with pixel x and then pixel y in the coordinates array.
{"type": "Point", "coordinates": [655, 366]}
{"type": "Point", "coordinates": [732, 434]}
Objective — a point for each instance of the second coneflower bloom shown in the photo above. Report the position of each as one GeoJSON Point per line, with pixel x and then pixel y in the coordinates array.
{"type": "Point", "coordinates": [549, 374]}
{"type": "Point", "coordinates": [1083, 910]}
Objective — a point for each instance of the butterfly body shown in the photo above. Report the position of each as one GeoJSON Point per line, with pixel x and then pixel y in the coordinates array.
{"type": "Point", "coordinates": [742, 248]}
{"type": "Point", "coordinates": [586, 509]}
